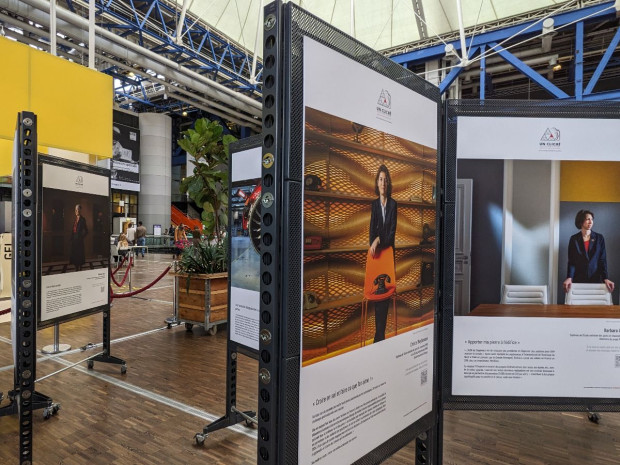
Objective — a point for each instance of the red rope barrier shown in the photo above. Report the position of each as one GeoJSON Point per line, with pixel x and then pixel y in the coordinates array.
{"type": "Point", "coordinates": [126, 274]}
{"type": "Point", "coordinates": [4, 312]}
{"type": "Point", "coordinates": [119, 266]}
{"type": "Point", "coordinates": [137, 291]}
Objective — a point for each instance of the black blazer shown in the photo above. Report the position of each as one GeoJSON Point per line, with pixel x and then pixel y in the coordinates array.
{"type": "Point", "coordinates": [590, 267]}
{"type": "Point", "coordinates": [386, 230]}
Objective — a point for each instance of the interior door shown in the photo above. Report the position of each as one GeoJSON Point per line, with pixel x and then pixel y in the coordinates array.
{"type": "Point", "coordinates": [462, 246]}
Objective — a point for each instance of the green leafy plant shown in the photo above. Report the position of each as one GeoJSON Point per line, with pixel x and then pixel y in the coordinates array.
{"type": "Point", "coordinates": [208, 185]}
{"type": "Point", "coordinates": [204, 258]}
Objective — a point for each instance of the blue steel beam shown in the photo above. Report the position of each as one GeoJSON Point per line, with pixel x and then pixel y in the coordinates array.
{"type": "Point", "coordinates": [603, 63]}
{"type": "Point", "coordinates": [604, 10]}
{"type": "Point", "coordinates": [529, 72]}
{"type": "Point", "coordinates": [216, 55]}
{"type": "Point", "coordinates": [134, 90]}
{"type": "Point", "coordinates": [454, 73]}
{"type": "Point", "coordinates": [579, 60]}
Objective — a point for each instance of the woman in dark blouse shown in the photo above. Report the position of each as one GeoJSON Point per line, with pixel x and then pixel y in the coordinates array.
{"type": "Point", "coordinates": [587, 257]}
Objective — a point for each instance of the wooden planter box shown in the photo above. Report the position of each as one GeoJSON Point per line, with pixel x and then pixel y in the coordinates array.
{"type": "Point", "coordinates": [205, 303]}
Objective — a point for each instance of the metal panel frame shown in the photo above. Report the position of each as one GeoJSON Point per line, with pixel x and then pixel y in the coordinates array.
{"type": "Point", "coordinates": [233, 348]}
{"type": "Point", "coordinates": [500, 108]}
{"type": "Point", "coordinates": [25, 278]}
{"type": "Point", "coordinates": [69, 164]}
{"type": "Point", "coordinates": [279, 361]}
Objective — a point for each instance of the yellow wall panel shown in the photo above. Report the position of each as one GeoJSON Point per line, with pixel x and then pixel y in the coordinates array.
{"type": "Point", "coordinates": [595, 181]}
{"type": "Point", "coordinates": [73, 103]}
{"type": "Point", "coordinates": [14, 85]}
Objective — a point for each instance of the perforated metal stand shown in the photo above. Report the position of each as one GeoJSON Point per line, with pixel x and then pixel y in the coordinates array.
{"type": "Point", "coordinates": [233, 415]}
{"type": "Point", "coordinates": [23, 398]}
{"type": "Point", "coordinates": [105, 357]}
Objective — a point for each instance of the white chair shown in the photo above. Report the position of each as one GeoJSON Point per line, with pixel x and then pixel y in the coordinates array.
{"type": "Point", "coordinates": [524, 294]}
{"type": "Point", "coordinates": [588, 294]}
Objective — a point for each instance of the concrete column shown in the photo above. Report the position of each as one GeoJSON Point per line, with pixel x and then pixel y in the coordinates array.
{"type": "Point", "coordinates": [155, 170]}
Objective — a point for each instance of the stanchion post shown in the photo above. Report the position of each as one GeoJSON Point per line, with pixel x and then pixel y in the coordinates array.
{"type": "Point", "coordinates": [130, 266]}
{"type": "Point", "coordinates": [57, 347]}
{"type": "Point", "coordinates": [174, 319]}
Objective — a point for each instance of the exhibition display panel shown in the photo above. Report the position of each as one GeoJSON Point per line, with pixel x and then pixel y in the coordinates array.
{"type": "Point", "coordinates": [244, 236]}
{"type": "Point", "coordinates": [348, 248]}
{"type": "Point", "coordinates": [75, 231]}
{"type": "Point", "coordinates": [518, 197]}
{"type": "Point", "coordinates": [244, 232]}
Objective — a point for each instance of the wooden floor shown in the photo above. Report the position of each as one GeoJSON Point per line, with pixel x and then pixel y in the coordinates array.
{"type": "Point", "coordinates": [175, 385]}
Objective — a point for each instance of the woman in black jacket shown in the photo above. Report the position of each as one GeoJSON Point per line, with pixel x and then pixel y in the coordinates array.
{"type": "Point", "coordinates": [381, 236]}
{"type": "Point", "coordinates": [587, 257]}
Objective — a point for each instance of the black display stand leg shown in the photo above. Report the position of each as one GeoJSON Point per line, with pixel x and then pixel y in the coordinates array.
{"type": "Point", "coordinates": [38, 401]}
{"type": "Point", "coordinates": [233, 415]}
{"type": "Point", "coordinates": [105, 357]}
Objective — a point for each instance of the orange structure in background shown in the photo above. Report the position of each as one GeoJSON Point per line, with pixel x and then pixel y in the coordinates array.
{"type": "Point", "coordinates": [178, 217]}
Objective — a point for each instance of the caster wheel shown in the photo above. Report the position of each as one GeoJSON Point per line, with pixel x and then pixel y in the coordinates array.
{"type": "Point", "coordinates": [169, 325]}
{"type": "Point", "coordinates": [47, 413]}
{"type": "Point", "coordinates": [123, 369]}
{"type": "Point", "coordinates": [200, 439]}
{"type": "Point", "coordinates": [188, 326]}
{"type": "Point", "coordinates": [90, 364]}
{"type": "Point", "coordinates": [594, 417]}
{"type": "Point", "coordinates": [212, 331]}
{"type": "Point", "coordinates": [55, 408]}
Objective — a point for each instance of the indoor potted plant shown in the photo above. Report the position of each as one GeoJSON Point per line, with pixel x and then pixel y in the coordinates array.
{"type": "Point", "coordinates": [201, 275]}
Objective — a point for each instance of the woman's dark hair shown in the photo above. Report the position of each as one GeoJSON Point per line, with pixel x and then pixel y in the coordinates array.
{"type": "Point", "coordinates": [388, 191]}
{"type": "Point", "coordinates": [581, 217]}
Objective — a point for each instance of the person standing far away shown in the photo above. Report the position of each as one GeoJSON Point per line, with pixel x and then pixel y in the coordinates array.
{"type": "Point", "coordinates": [131, 234]}
{"type": "Point", "coordinates": [141, 237]}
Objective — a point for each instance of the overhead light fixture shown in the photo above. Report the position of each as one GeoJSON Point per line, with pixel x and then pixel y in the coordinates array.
{"type": "Point", "coordinates": [557, 67]}
{"type": "Point", "coordinates": [184, 113]}
{"type": "Point", "coordinates": [131, 74]}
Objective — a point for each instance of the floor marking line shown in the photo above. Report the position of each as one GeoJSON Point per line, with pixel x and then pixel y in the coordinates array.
{"type": "Point", "coordinates": [161, 399]}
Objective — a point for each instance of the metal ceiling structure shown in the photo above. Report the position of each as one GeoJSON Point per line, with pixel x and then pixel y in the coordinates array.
{"type": "Point", "coordinates": [178, 56]}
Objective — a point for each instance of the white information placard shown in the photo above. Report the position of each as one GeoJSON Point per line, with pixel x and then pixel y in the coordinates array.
{"type": "Point", "coordinates": [548, 357]}
{"type": "Point", "coordinates": [537, 138]}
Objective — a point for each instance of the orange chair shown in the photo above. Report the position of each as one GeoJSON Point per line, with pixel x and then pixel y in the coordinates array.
{"type": "Point", "coordinates": [379, 285]}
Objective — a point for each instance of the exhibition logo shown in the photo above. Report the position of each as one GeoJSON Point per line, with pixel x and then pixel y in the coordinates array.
{"type": "Point", "coordinates": [550, 140]}
{"type": "Point", "coordinates": [384, 106]}
{"type": "Point", "coordinates": [79, 182]}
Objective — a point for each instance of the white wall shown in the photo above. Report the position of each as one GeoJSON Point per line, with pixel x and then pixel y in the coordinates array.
{"type": "Point", "coordinates": [531, 196]}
